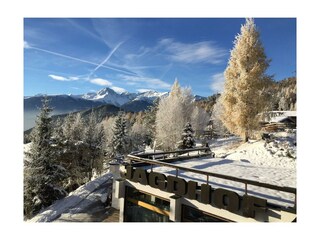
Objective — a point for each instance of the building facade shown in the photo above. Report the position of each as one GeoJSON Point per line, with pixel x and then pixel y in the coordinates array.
{"type": "Point", "coordinates": [144, 193]}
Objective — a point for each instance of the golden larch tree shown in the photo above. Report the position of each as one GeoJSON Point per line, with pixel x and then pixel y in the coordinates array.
{"type": "Point", "coordinates": [245, 81]}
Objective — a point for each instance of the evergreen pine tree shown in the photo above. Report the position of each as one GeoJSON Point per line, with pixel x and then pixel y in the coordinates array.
{"type": "Point", "coordinates": [71, 149]}
{"type": "Point", "coordinates": [100, 148]}
{"type": "Point", "coordinates": [245, 81]}
{"type": "Point", "coordinates": [42, 174]}
{"type": "Point", "coordinates": [149, 120]}
{"type": "Point", "coordinates": [57, 133]}
{"type": "Point", "coordinates": [187, 137]}
{"type": "Point", "coordinates": [95, 141]}
{"type": "Point", "coordinates": [119, 139]}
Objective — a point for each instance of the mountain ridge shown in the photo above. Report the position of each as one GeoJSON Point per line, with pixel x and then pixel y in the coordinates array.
{"type": "Point", "coordinates": [67, 103]}
{"type": "Point", "coordinates": [110, 96]}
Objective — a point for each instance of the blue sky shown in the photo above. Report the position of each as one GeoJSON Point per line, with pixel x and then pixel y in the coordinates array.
{"type": "Point", "coordinates": [78, 55]}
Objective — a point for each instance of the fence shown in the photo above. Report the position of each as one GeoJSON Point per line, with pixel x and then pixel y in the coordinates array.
{"type": "Point", "coordinates": [139, 158]}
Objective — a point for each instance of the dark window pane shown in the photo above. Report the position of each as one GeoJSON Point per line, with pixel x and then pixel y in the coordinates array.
{"type": "Point", "coordinates": [190, 214]}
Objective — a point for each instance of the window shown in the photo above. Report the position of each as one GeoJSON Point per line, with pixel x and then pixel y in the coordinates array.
{"type": "Point", "coordinates": [190, 214]}
{"type": "Point", "coordinates": [144, 207]}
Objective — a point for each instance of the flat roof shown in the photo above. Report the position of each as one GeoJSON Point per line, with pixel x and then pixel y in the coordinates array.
{"type": "Point", "coordinates": [282, 177]}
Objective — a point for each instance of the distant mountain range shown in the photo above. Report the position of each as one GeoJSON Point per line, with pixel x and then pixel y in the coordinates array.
{"type": "Point", "coordinates": [63, 104]}
{"type": "Point", "coordinates": [107, 95]}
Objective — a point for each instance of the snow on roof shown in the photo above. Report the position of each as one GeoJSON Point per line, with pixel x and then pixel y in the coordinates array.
{"type": "Point", "coordinates": [75, 199]}
{"type": "Point", "coordinates": [284, 113]}
{"type": "Point", "coordinates": [272, 116]}
{"type": "Point", "coordinates": [278, 119]}
{"type": "Point", "coordinates": [240, 169]}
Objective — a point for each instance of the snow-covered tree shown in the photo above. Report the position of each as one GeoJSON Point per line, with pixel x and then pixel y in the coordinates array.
{"type": "Point", "coordinates": [217, 125]}
{"type": "Point", "coordinates": [57, 133]}
{"type": "Point", "coordinates": [149, 121]}
{"type": "Point", "coordinates": [173, 113]}
{"type": "Point", "coordinates": [94, 139]}
{"type": "Point", "coordinates": [119, 139]}
{"type": "Point", "coordinates": [73, 127]}
{"type": "Point", "coordinates": [245, 80]}
{"type": "Point", "coordinates": [71, 149]}
{"type": "Point", "coordinates": [108, 124]}
{"type": "Point", "coordinates": [199, 120]}
{"type": "Point", "coordinates": [187, 137]}
{"type": "Point", "coordinates": [43, 175]}
{"type": "Point", "coordinates": [139, 135]}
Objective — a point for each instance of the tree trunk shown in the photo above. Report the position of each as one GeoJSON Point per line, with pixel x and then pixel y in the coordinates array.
{"type": "Point", "coordinates": [245, 137]}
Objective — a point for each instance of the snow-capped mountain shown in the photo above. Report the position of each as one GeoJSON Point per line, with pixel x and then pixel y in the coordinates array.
{"type": "Point", "coordinates": [150, 96]}
{"type": "Point", "coordinates": [64, 103]}
{"type": "Point", "coordinates": [108, 95]}
{"type": "Point", "coordinates": [69, 103]}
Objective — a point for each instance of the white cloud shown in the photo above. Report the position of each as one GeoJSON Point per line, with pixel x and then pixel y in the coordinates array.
{"type": "Point", "coordinates": [118, 89]}
{"type": "Point", "coordinates": [101, 82]}
{"type": "Point", "coordinates": [61, 78]}
{"type": "Point", "coordinates": [142, 90]}
{"type": "Point", "coordinates": [153, 83]}
{"type": "Point", "coordinates": [200, 52]}
{"type": "Point", "coordinates": [218, 82]}
{"type": "Point", "coordinates": [157, 83]}
{"type": "Point", "coordinates": [26, 44]}
{"type": "Point", "coordinates": [142, 52]}
{"type": "Point", "coordinates": [58, 78]}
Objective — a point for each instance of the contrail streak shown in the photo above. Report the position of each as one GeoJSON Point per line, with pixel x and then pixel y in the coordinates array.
{"type": "Point", "coordinates": [107, 58]}
{"type": "Point", "coordinates": [83, 61]}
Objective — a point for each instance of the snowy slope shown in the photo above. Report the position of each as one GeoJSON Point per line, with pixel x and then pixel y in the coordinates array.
{"type": "Point", "coordinates": [279, 152]}
{"type": "Point", "coordinates": [75, 202]}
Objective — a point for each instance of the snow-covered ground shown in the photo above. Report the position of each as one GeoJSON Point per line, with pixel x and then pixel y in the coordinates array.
{"type": "Point", "coordinates": [272, 161]}
{"type": "Point", "coordinates": [239, 169]}
{"type": "Point", "coordinates": [78, 201]}
{"type": "Point", "coordinates": [278, 152]}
